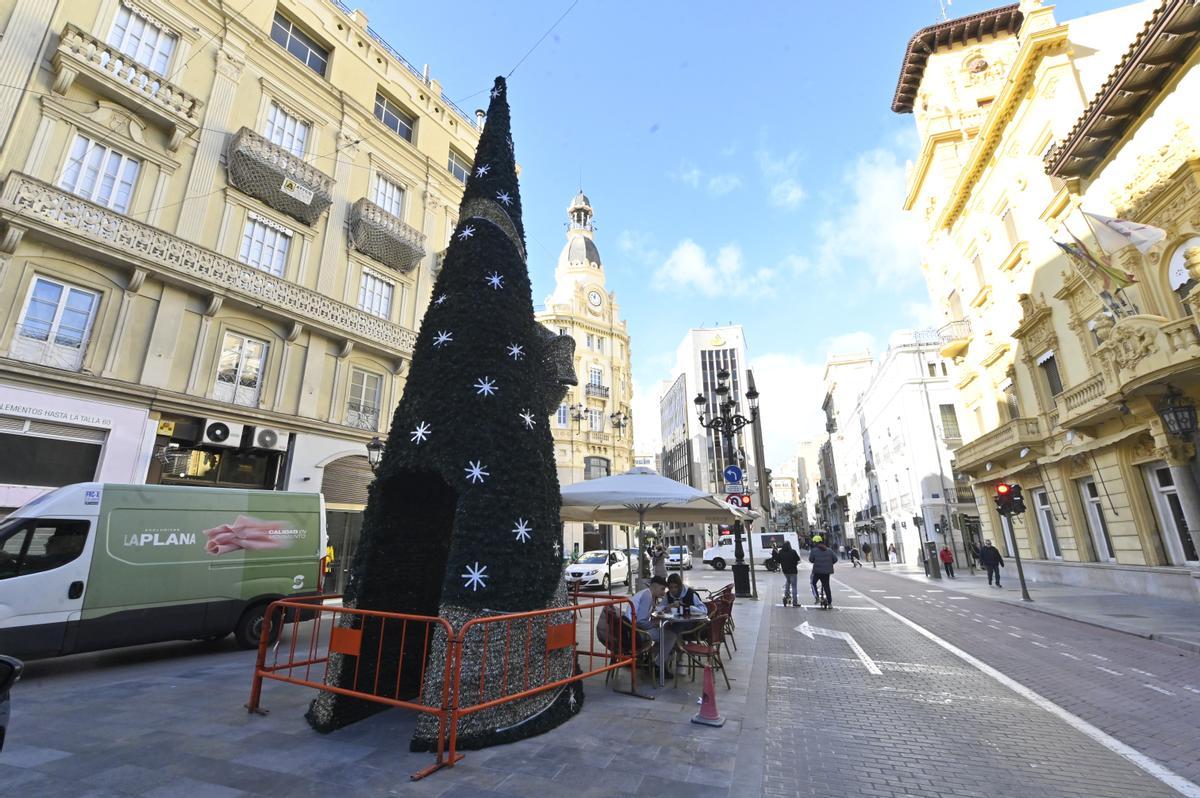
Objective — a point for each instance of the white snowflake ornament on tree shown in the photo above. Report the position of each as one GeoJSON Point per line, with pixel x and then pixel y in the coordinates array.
{"type": "Point", "coordinates": [480, 171]}
{"type": "Point", "coordinates": [527, 417]}
{"type": "Point", "coordinates": [419, 434]}
{"type": "Point", "coordinates": [443, 337]}
{"type": "Point", "coordinates": [504, 198]}
{"type": "Point", "coordinates": [522, 530]}
{"type": "Point", "coordinates": [516, 351]}
{"type": "Point", "coordinates": [466, 233]}
{"type": "Point", "coordinates": [476, 472]}
{"type": "Point", "coordinates": [441, 298]}
{"type": "Point", "coordinates": [475, 577]}
{"type": "Point", "coordinates": [495, 280]}
{"type": "Point", "coordinates": [485, 386]}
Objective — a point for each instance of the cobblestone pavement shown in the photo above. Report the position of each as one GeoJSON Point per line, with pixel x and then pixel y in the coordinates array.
{"type": "Point", "coordinates": [930, 724]}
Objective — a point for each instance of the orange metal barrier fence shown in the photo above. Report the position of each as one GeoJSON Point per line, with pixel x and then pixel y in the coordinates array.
{"type": "Point", "coordinates": [511, 651]}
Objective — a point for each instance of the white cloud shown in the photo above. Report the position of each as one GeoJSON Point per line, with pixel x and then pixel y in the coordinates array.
{"type": "Point", "coordinates": [647, 426]}
{"type": "Point", "coordinates": [689, 175]}
{"type": "Point", "coordinates": [923, 315]}
{"type": "Point", "coordinates": [635, 242]}
{"type": "Point", "coordinates": [779, 172]}
{"type": "Point", "coordinates": [689, 267]}
{"type": "Point", "coordinates": [850, 343]}
{"type": "Point", "coordinates": [723, 184]}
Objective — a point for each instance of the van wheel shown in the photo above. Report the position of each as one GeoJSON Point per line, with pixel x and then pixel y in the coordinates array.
{"type": "Point", "coordinates": [719, 564]}
{"type": "Point", "coordinates": [248, 631]}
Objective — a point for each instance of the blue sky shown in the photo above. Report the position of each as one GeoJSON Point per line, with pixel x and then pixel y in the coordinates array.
{"type": "Point", "coordinates": [743, 162]}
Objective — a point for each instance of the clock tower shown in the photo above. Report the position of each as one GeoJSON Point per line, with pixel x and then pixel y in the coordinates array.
{"type": "Point", "coordinates": [593, 428]}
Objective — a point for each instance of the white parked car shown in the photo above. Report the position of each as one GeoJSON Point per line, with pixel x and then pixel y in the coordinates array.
{"type": "Point", "coordinates": [598, 569]}
{"type": "Point", "coordinates": [679, 557]}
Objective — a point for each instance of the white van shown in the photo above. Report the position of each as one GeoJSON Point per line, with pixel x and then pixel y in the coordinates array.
{"type": "Point", "coordinates": [92, 566]}
{"type": "Point", "coordinates": [722, 555]}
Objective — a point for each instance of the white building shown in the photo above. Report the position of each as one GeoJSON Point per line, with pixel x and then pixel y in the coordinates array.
{"type": "Point", "coordinates": [846, 377]}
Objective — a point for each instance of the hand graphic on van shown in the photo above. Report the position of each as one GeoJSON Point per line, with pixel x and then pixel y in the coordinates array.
{"type": "Point", "coordinates": [250, 534]}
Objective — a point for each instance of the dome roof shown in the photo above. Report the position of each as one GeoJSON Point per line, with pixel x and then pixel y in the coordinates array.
{"type": "Point", "coordinates": [580, 249]}
{"type": "Point", "coordinates": [581, 201]}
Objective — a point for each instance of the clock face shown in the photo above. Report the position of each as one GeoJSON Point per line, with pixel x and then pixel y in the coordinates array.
{"type": "Point", "coordinates": [594, 298]}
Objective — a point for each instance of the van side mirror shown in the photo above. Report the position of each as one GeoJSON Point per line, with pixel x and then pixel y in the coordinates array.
{"type": "Point", "coordinates": [10, 672]}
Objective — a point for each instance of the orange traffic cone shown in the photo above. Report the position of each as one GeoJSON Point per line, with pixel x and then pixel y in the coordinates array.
{"type": "Point", "coordinates": [708, 714]}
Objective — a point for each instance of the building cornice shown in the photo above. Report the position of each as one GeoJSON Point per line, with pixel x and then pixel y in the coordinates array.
{"type": "Point", "coordinates": [1034, 48]}
{"type": "Point", "coordinates": [1157, 55]}
{"type": "Point", "coordinates": [921, 170]}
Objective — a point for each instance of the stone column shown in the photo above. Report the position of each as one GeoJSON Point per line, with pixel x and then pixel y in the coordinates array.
{"type": "Point", "coordinates": [20, 48]}
{"type": "Point", "coordinates": [333, 248]}
{"type": "Point", "coordinates": [192, 216]}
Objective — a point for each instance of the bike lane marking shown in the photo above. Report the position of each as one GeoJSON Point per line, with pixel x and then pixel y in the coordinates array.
{"type": "Point", "coordinates": [1143, 761]}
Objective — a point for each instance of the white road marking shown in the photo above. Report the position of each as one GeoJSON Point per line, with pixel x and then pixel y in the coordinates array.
{"type": "Point", "coordinates": [1157, 689]}
{"type": "Point", "coordinates": [1068, 655]}
{"type": "Point", "coordinates": [1191, 689]}
{"type": "Point", "coordinates": [959, 598]}
{"type": "Point", "coordinates": [935, 591]}
{"type": "Point", "coordinates": [976, 620]}
{"type": "Point", "coordinates": [818, 606]}
{"type": "Point", "coordinates": [1097, 656]}
{"type": "Point", "coordinates": [1144, 673]}
{"type": "Point", "coordinates": [1039, 645]}
{"type": "Point", "coordinates": [876, 590]}
{"type": "Point", "coordinates": [889, 597]}
{"type": "Point", "coordinates": [1014, 634]}
{"type": "Point", "coordinates": [1146, 763]}
{"type": "Point", "coordinates": [809, 630]}
{"type": "Point", "coordinates": [1010, 626]}
{"type": "Point", "coordinates": [1109, 671]}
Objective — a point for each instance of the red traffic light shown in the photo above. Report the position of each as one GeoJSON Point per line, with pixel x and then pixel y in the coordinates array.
{"type": "Point", "coordinates": [1003, 489]}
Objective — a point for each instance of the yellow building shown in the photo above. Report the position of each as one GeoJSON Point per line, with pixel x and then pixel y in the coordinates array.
{"type": "Point", "coordinates": [1024, 121]}
{"type": "Point", "coordinates": [593, 428]}
{"type": "Point", "coordinates": [220, 231]}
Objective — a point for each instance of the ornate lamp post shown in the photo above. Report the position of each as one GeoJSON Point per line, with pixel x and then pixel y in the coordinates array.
{"type": "Point", "coordinates": [728, 422]}
{"type": "Point", "coordinates": [375, 449]}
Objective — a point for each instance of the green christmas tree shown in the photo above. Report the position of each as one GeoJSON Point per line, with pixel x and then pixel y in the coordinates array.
{"type": "Point", "coordinates": [463, 517]}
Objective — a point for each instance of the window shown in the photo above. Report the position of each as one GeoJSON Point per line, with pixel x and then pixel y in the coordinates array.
{"type": "Point", "coordinates": [49, 462]}
{"type": "Point", "coordinates": [55, 324]}
{"type": "Point", "coordinates": [1010, 228]}
{"type": "Point", "coordinates": [100, 174]}
{"type": "Point", "coordinates": [595, 467]}
{"type": "Point", "coordinates": [29, 546]}
{"type": "Point", "coordinates": [943, 364]}
{"type": "Point", "coordinates": [932, 369]}
{"type": "Point", "coordinates": [596, 420]}
{"type": "Point", "coordinates": [239, 371]}
{"type": "Point", "coordinates": [308, 52]}
{"type": "Point", "coordinates": [1050, 369]}
{"type": "Point", "coordinates": [591, 341]}
{"type": "Point", "coordinates": [600, 344]}
{"type": "Point", "coordinates": [595, 376]}
{"type": "Point", "coordinates": [362, 407]}
{"type": "Point", "coordinates": [397, 119]}
{"type": "Point", "coordinates": [563, 416]}
{"type": "Point", "coordinates": [955, 303]}
{"type": "Point", "coordinates": [389, 195]}
{"type": "Point", "coordinates": [563, 331]}
{"type": "Point", "coordinates": [1045, 520]}
{"type": "Point", "coordinates": [1010, 401]}
{"type": "Point", "coordinates": [1095, 520]}
{"type": "Point", "coordinates": [375, 295]}
{"type": "Point", "coordinates": [980, 278]}
{"type": "Point", "coordinates": [287, 131]}
{"type": "Point", "coordinates": [459, 166]}
{"type": "Point", "coordinates": [1178, 542]}
{"type": "Point", "coordinates": [949, 421]}
{"type": "Point", "coordinates": [265, 245]}
{"type": "Point", "coordinates": [142, 39]}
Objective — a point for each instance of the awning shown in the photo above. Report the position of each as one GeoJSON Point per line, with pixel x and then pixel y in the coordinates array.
{"type": "Point", "coordinates": [1072, 449]}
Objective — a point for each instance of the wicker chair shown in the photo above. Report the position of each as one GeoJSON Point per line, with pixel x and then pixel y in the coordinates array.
{"type": "Point", "coordinates": [616, 633]}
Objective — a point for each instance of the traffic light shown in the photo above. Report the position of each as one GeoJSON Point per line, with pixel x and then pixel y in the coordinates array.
{"type": "Point", "coordinates": [1018, 501]}
{"type": "Point", "coordinates": [1004, 498]}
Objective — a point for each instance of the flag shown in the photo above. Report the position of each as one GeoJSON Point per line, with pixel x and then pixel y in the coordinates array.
{"type": "Point", "coordinates": [1099, 265]}
{"type": "Point", "coordinates": [1116, 234]}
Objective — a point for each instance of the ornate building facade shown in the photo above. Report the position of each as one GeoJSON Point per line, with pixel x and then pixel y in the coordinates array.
{"type": "Point", "coordinates": [220, 230]}
{"type": "Point", "coordinates": [593, 428]}
{"type": "Point", "coordinates": [1062, 376]}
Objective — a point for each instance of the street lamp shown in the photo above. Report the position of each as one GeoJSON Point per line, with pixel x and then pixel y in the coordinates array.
{"type": "Point", "coordinates": [375, 449]}
{"type": "Point", "coordinates": [1178, 414]}
{"type": "Point", "coordinates": [728, 422]}
{"type": "Point", "coordinates": [619, 422]}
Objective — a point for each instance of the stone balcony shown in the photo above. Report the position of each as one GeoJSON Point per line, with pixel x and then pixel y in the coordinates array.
{"type": "Point", "coordinates": [1005, 440]}
{"type": "Point", "coordinates": [955, 338]}
{"type": "Point", "coordinates": [598, 391]}
{"type": "Point", "coordinates": [270, 173]}
{"type": "Point", "coordinates": [1084, 404]}
{"type": "Point", "coordinates": [382, 236]}
{"type": "Point", "coordinates": [80, 56]}
{"type": "Point", "coordinates": [29, 206]}
{"type": "Point", "coordinates": [1142, 349]}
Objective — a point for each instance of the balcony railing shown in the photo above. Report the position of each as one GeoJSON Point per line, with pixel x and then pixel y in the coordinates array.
{"type": "Point", "coordinates": [600, 391]}
{"type": "Point", "coordinates": [379, 234]}
{"type": "Point", "coordinates": [1082, 394]}
{"type": "Point", "coordinates": [362, 416]}
{"type": "Point", "coordinates": [955, 336]}
{"type": "Point", "coordinates": [270, 173]}
{"type": "Point", "coordinates": [1010, 437]}
{"type": "Point", "coordinates": [116, 75]}
{"type": "Point", "coordinates": [27, 203]}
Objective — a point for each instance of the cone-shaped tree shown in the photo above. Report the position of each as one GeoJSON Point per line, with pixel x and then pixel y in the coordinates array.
{"type": "Point", "coordinates": [463, 516]}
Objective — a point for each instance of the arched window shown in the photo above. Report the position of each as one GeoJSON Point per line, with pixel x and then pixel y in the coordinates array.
{"type": "Point", "coordinates": [1178, 278]}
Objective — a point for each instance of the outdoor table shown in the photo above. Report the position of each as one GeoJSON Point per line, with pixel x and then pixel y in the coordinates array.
{"type": "Point", "coordinates": [675, 618]}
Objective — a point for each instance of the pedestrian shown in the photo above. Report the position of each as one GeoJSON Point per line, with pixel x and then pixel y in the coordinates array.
{"type": "Point", "coordinates": [892, 556]}
{"type": "Point", "coordinates": [867, 551]}
{"type": "Point", "coordinates": [822, 559]}
{"type": "Point", "coordinates": [658, 560]}
{"type": "Point", "coordinates": [788, 561]}
{"type": "Point", "coordinates": [842, 550]}
{"type": "Point", "coordinates": [854, 557]}
{"type": "Point", "coordinates": [947, 558]}
{"type": "Point", "coordinates": [989, 555]}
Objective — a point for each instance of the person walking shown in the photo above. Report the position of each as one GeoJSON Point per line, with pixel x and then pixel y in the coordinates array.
{"type": "Point", "coordinates": [789, 561]}
{"type": "Point", "coordinates": [866, 550]}
{"type": "Point", "coordinates": [822, 559]}
{"type": "Point", "coordinates": [947, 558]}
{"type": "Point", "coordinates": [658, 560]}
{"type": "Point", "coordinates": [892, 556]}
{"type": "Point", "coordinates": [854, 557]}
{"type": "Point", "coordinates": [989, 555]}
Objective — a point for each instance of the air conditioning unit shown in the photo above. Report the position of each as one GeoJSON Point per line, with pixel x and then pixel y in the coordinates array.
{"type": "Point", "coordinates": [215, 432]}
{"type": "Point", "coordinates": [267, 438]}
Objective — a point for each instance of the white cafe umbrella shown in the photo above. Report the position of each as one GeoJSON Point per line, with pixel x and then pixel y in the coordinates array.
{"type": "Point", "coordinates": [640, 495]}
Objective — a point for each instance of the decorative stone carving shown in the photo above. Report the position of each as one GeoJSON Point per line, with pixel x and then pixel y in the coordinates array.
{"type": "Point", "coordinates": [230, 63]}
{"type": "Point", "coordinates": [70, 218]}
{"type": "Point", "coordinates": [1127, 344]}
{"type": "Point", "coordinates": [275, 176]}
{"type": "Point", "coordinates": [1154, 172]}
{"type": "Point", "coordinates": [107, 69]}
{"type": "Point", "coordinates": [379, 234]}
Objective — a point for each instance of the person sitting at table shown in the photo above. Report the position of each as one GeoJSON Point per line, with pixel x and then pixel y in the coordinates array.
{"type": "Point", "coordinates": [680, 595]}
{"type": "Point", "coordinates": [645, 602]}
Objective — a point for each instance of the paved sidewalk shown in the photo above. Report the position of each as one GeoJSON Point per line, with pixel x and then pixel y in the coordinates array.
{"type": "Point", "coordinates": [1176, 623]}
{"type": "Point", "coordinates": [167, 720]}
